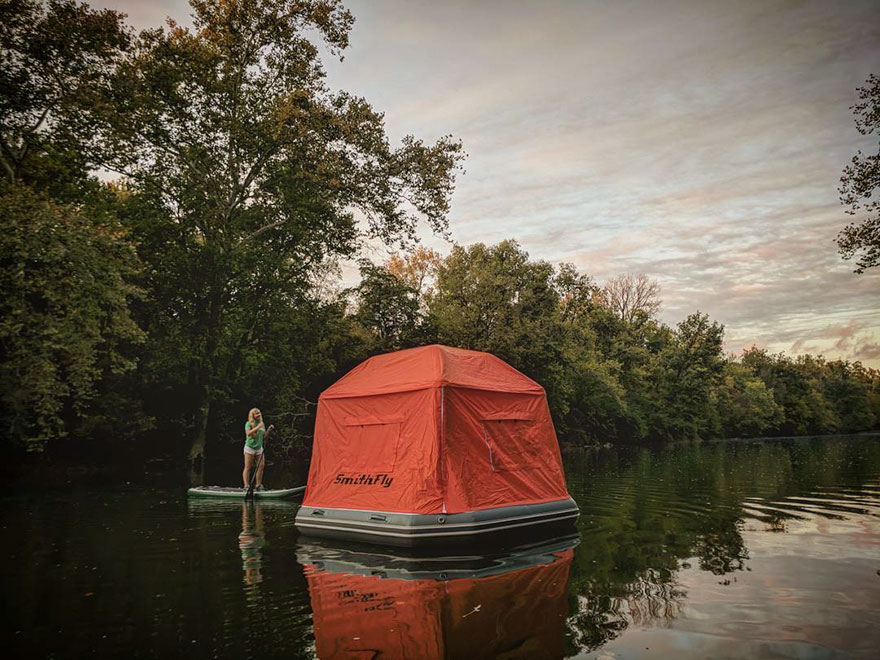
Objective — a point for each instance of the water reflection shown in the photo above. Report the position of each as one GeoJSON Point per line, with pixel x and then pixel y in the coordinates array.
{"type": "Point", "coordinates": [672, 541]}
{"type": "Point", "coordinates": [251, 542]}
{"type": "Point", "coordinates": [374, 604]}
{"type": "Point", "coordinates": [736, 549]}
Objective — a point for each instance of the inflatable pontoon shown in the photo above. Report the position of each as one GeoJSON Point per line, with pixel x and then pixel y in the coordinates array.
{"type": "Point", "coordinates": [434, 445]}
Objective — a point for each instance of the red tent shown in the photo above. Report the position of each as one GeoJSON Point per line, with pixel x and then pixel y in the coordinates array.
{"type": "Point", "coordinates": [432, 430]}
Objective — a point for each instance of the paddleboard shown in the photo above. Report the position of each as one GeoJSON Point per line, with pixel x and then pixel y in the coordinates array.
{"type": "Point", "coordinates": [231, 492]}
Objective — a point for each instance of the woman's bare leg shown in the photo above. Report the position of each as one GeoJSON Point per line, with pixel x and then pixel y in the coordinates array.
{"type": "Point", "coordinates": [260, 465]}
{"type": "Point", "coordinates": [246, 473]}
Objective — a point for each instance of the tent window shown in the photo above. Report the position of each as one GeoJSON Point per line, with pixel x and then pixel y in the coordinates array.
{"type": "Point", "coordinates": [511, 444]}
{"type": "Point", "coordinates": [371, 447]}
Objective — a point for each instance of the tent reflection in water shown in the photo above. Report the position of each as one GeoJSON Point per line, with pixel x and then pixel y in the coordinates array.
{"type": "Point", "coordinates": [434, 445]}
{"type": "Point", "coordinates": [375, 606]}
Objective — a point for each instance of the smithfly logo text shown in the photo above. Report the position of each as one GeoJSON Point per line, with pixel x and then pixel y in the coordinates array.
{"type": "Point", "coordinates": [381, 480]}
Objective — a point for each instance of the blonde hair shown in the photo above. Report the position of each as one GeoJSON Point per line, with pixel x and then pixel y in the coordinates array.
{"type": "Point", "coordinates": [251, 415]}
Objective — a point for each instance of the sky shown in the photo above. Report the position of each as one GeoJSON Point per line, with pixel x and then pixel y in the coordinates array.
{"type": "Point", "coordinates": [699, 142]}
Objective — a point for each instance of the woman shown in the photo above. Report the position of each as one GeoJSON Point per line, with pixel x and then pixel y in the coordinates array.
{"type": "Point", "coordinates": [253, 447]}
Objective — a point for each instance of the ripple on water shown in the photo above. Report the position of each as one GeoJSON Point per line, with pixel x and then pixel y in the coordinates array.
{"type": "Point", "coordinates": [722, 550]}
{"type": "Point", "coordinates": [764, 549]}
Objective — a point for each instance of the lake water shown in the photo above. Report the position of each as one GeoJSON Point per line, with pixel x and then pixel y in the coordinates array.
{"type": "Point", "coordinates": [728, 549]}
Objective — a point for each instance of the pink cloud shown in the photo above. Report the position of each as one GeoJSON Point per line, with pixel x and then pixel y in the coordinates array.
{"type": "Point", "coordinates": [867, 351]}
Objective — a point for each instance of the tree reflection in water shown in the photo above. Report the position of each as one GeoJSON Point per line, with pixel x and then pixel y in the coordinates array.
{"type": "Point", "coordinates": [648, 514]}
{"type": "Point", "coordinates": [663, 533]}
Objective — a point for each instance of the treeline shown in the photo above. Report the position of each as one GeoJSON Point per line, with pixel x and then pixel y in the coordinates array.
{"type": "Point", "coordinates": [612, 371]}
{"type": "Point", "coordinates": [173, 209]}
{"type": "Point", "coordinates": [187, 290]}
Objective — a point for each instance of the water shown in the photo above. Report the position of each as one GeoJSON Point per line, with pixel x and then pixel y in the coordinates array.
{"type": "Point", "coordinates": [733, 549]}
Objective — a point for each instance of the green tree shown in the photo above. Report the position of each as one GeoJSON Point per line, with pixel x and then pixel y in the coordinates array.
{"type": "Point", "coordinates": [389, 308]}
{"type": "Point", "coordinates": [745, 405]}
{"type": "Point", "coordinates": [66, 262]}
{"type": "Point", "coordinates": [251, 174]}
{"type": "Point", "coordinates": [846, 388]}
{"type": "Point", "coordinates": [494, 299]}
{"type": "Point", "coordinates": [860, 181]}
{"type": "Point", "coordinates": [871, 379]}
{"type": "Point", "coordinates": [64, 316]}
{"type": "Point", "coordinates": [599, 407]}
{"type": "Point", "coordinates": [797, 388]}
{"type": "Point", "coordinates": [684, 377]}
{"type": "Point", "coordinates": [639, 349]}
{"type": "Point", "coordinates": [56, 57]}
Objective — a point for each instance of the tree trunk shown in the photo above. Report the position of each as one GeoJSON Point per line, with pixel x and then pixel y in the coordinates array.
{"type": "Point", "coordinates": [197, 449]}
{"type": "Point", "coordinates": [197, 473]}
{"type": "Point", "coordinates": [207, 372]}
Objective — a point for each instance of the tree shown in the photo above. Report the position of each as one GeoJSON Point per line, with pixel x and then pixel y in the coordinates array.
{"type": "Point", "coordinates": [253, 172]}
{"type": "Point", "coordinates": [487, 295]}
{"type": "Point", "coordinates": [578, 294]}
{"type": "Point", "coordinates": [66, 262]}
{"type": "Point", "coordinates": [685, 375]}
{"type": "Point", "coordinates": [56, 56]}
{"type": "Point", "coordinates": [628, 295]}
{"type": "Point", "coordinates": [64, 317]}
{"type": "Point", "coordinates": [846, 388]}
{"type": "Point", "coordinates": [389, 308]}
{"type": "Point", "coordinates": [860, 180]}
{"type": "Point", "coordinates": [494, 299]}
{"type": "Point", "coordinates": [797, 389]}
{"type": "Point", "coordinates": [597, 402]}
{"type": "Point", "coordinates": [417, 269]}
{"type": "Point", "coordinates": [745, 405]}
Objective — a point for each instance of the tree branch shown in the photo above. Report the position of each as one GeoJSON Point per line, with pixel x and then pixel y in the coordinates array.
{"type": "Point", "coordinates": [7, 166]}
{"type": "Point", "coordinates": [261, 230]}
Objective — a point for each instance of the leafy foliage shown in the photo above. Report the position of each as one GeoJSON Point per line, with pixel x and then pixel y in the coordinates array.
{"type": "Point", "coordinates": [611, 375]}
{"type": "Point", "coordinates": [494, 299]}
{"type": "Point", "coordinates": [64, 310]}
{"type": "Point", "coordinates": [860, 180]}
{"type": "Point", "coordinates": [746, 407]}
{"type": "Point", "coordinates": [66, 263]}
{"type": "Point", "coordinates": [193, 286]}
{"type": "Point", "coordinates": [57, 56]}
{"type": "Point", "coordinates": [249, 174]}
{"type": "Point", "coordinates": [389, 308]}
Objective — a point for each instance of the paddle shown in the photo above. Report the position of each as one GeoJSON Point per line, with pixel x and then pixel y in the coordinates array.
{"type": "Point", "coordinates": [250, 491]}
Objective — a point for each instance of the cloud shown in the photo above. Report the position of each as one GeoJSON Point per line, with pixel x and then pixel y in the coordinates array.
{"type": "Point", "coordinates": [700, 143]}
{"type": "Point", "coordinates": [867, 351]}
{"type": "Point", "coordinates": [142, 14]}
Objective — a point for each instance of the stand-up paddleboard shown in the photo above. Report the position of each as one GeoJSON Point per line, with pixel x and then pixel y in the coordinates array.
{"type": "Point", "coordinates": [231, 492]}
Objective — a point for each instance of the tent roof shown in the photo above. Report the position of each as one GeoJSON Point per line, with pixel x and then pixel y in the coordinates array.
{"type": "Point", "coordinates": [431, 366]}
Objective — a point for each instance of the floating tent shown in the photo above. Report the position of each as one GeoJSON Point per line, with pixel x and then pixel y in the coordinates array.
{"type": "Point", "coordinates": [433, 444]}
